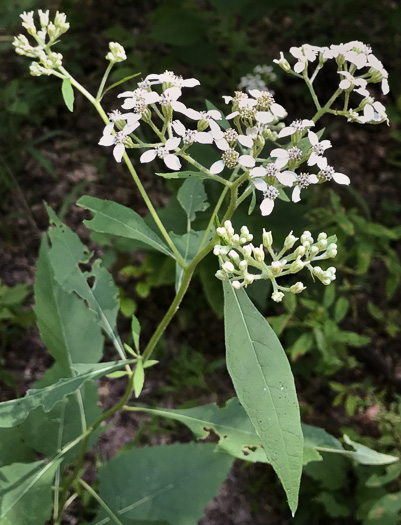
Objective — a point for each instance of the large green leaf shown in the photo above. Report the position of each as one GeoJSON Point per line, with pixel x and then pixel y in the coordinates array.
{"type": "Point", "coordinates": [264, 384]}
{"type": "Point", "coordinates": [192, 197]}
{"type": "Point", "coordinates": [67, 327]}
{"type": "Point", "coordinates": [65, 256]}
{"type": "Point", "coordinates": [25, 495]}
{"type": "Point", "coordinates": [238, 438]}
{"type": "Point", "coordinates": [113, 218]}
{"type": "Point", "coordinates": [168, 483]}
{"type": "Point", "coordinates": [13, 448]}
{"type": "Point", "coordinates": [15, 411]}
{"type": "Point", "coordinates": [65, 422]}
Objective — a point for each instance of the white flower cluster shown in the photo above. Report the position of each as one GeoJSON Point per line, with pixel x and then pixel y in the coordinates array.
{"type": "Point", "coordinates": [260, 78]}
{"type": "Point", "coordinates": [357, 67]}
{"type": "Point", "coordinates": [45, 37]}
{"type": "Point", "coordinates": [237, 256]}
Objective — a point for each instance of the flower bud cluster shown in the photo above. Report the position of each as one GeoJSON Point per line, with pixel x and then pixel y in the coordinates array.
{"type": "Point", "coordinates": [242, 263]}
{"type": "Point", "coordinates": [45, 37]}
{"type": "Point", "coordinates": [116, 53]}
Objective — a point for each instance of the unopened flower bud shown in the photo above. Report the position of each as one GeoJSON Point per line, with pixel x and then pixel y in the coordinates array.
{"type": "Point", "coordinates": [116, 53]}
{"type": "Point", "coordinates": [247, 251]}
{"type": "Point", "coordinates": [221, 275]}
{"type": "Point", "coordinates": [235, 239]}
{"type": "Point", "coordinates": [276, 268]}
{"type": "Point", "coordinates": [296, 266]}
{"type": "Point", "coordinates": [248, 279]}
{"type": "Point", "coordinates": [267, 238]}
{"type": "Point", "coordinates": [28, 22]}
{"type": "Point", "coordinates": [228, 267]}
{"type": "Point", "coordinates": [299, 252]}
{"type": "Point", "coordinates": [259, 253]}
{"type": "Point", "coordinates": [44, 17]}
{"type": "Point", "coordinates": [289, 241]}
{"type": "Point", "coordinates": [322, 244]}
{"type": "Point", "coordinates": [314, 251]}
{"type": "Point", "coordinates": [233, 255]}
{"type": "Point", "coordinates": [243, 266]}
{"type": "Point", "coordinates": [277, 296]}
{"type": "Point", "coordinates": [321, 236]}
{"type": "Point", "coordinates": [229, 227]}
{"type": "Point", "coordinates": [236, 285]}
{"type": "Point", "coordinates": [332, 250]}
{"type": "Point", "coordinates": [297, 287]}
{"type": "Point", "coordinates": [283, 63]}
{"type": "Point", "coordinates": [306, 236]}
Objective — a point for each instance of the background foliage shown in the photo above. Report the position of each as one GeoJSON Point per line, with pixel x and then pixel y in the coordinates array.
{"type": "Point", "coordinates": [343, 342]}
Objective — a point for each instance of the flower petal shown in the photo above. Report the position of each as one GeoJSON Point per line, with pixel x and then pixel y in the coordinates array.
{"type": "Point", "coordinates": [287, 178]}
{"type": "Point", "coordinates": [267, 206]}
{"type": "Point", "coordinates": [296, 194]}
{"type": "Point", "coordinates": [204, 137]}
{"type": "Point", "coordinates": [172, 162]}
{"type": "Point", "coordinates": [172, 143]}
{"type": "Point", "coordinates": [264, 117]}
{"type": "Point", "coordinates": [247, 161]}
{"type": "Point", "coordinates": [118, 152]}
{"type": "Point", "coordinates": [278, 110]}
{"type": "Point", "coordinates": [179, 128]}
{"type": "Point", "coordinates": [217, 167]}
{"type": "Point", "coordinates": [148, 156]}
{"type": "Point", "coordinates": [190, 82]}
{"type": "Point", "coordinates": [245, 141]}
{"type": "Point", "coordinates": [260, 184]}
{"type": "Point", "coordinates": [259, 171]}
{"type": "Point", "coordinates": [340, 178]}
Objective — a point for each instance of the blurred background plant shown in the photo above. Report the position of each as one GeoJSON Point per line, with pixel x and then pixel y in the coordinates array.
{"type": "Point", "coordinates": [343, 342]}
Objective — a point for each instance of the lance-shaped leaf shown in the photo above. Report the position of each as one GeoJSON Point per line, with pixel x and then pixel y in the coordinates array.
{"type": "Point", "coordinates": [65, 255]}
{"type": "Point", "coordinates": [67, 327]}
{"type": "Point", "coordinates": [238, 437]}
{"type": "Point", "coordinates": [26, 492]}
{"type": "Point", "coordinates": [264, 384]}
{"type": "Point", "coordinates": [15, 411]}
{"type": "Point", "coordinates": [171, 483]}
{"type": "Point", "coordinates": [115, 219]}
{"type": "Point", "coordinates": [192, 197]}
{"type": "Point", "coordinates": [184, 175]}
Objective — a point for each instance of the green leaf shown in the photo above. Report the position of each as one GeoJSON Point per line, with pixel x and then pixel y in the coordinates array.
{"type": "Point", "coordinates": [192, 197]}
{"type": "Point", "coordinates": [13, 449]}
{"type": "Point", "coordinates": [68, 93]}
{"type": "Point", "coordinates": [139, 378]}
{"type": "Point", "coordinates": [385, 511]}
{"type": "Point", "coordinates": [136, 331]}
{"type": "Point", "coordinates": [172, 483]}
{"type": "Point", "coordinates": [67, 327]}
{"type": "Point", "coordinates": [188, 245]}
{"type": "Point", "coordinates": [367, 456]}
{"type": "Point", "coordinates": [115, 219]}
{"type": "Point", "coordinates": [125, 79]}
{"type": "Point", "coordinates": [15, 411]}
{"type": "Point", "coordinates": [65, 255]}
{"type": "Point", "coordinates": [26, 492]}
{"type": "Point", "coordinates": [264, 384]}
{"type": "Point", "coordinates": [184, 175]}
{"type": "Point", "coordinates": [65, 422]}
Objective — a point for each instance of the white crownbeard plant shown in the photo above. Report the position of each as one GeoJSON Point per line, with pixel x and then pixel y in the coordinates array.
{"type": "Point", "coordinates": [263, 155]}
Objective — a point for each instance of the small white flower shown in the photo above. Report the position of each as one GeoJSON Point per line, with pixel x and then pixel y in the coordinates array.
{"type": "Point", "coordinates": [318, 148]}
{"type": "Point", "coordinates": [231, 159]}
{"type": "Point", "coordinates": [270, 194]}
{"type": "Point", "coordinates": [163, 152]}
{"type": "Point", "coordinates": [171, 78]}
{"type": "Point", "coordinates": [304, 54]}
{"type": "Point", "coordinates": [139, 99]}
{"type": "Point", "coordinates": [190, 136]}
{"type": "Point", "coordinates": [302, 180]}
{"type": "Point", "coordinates": [283, 156]}
{"type": "Point", "coordinates": [286, 178]}
{"type": "Point", "coordinates": [350, 82]}
{"type": "Point", "coordinates": [374, 112]}
{"type": "Point", "coordinates": [327, 173]}
{"type": "Point", "coordinates": [296, 125]}
{"type": "Point", "coordinates": [209, 120]}
{"type": "Point", "coordinates": [117, 139]}
{"type": "Point", "coordinates": [265, 101]}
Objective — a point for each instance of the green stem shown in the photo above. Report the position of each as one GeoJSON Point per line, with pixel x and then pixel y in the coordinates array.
{"type": "Point", "coordinates": [201, 168]}
{"type": "Point", "coordinates": [101, 502]}
{"type": "Point", "coordinates": [103, 82]}
{"type": "Point", "coordinates": [214, 214]}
